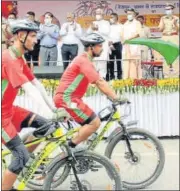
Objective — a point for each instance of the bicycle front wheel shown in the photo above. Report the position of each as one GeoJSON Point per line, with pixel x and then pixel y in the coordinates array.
{"type": "Point", "coordinates": [145, 166]}
{"type": "Point", "coordinates": [94, 171]}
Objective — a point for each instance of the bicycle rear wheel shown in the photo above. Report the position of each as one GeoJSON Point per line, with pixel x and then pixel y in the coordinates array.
{"type": "Point", "coordinates": [95, 172]}
{"type": "Point", "coordinates": [148, 162]}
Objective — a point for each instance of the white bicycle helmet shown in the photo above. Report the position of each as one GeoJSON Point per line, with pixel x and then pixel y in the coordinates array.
{"type": "Point", "coordinates": [23, 25]}
{"type": "Point", "coordinates": [92, 39]}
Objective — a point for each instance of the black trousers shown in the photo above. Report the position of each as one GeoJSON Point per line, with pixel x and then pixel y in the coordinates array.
{"type": "Point", "coordinates": [69, 52]}
{"type": "Point", "coordinates": [117, 53]}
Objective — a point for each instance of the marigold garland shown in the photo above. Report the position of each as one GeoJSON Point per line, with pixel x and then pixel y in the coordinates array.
{"type": "Point", "coordinates": [145, 86]}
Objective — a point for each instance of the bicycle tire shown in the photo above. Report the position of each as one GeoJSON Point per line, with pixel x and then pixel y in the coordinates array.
{"type": "Point", "coordinates": [110, 147]}
{"type": "Point", "coordinates": [34, 186]}
{"type": "Point", "coordinates": [89, 154]}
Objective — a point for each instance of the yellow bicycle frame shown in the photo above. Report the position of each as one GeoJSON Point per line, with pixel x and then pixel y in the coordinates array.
{"type": "Point", "coordinates": [24, 177]}
{"type": "Point", "coordinates": [45, 152]}
{"type": "Point", "coordinates": [51, 146]}
{"type": "Point", "coordinates": [115, 117]}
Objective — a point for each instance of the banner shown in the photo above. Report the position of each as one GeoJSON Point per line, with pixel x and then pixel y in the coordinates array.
{"type": "Point", "coordinates": [146, 7]}
{"type": "Point", "coordinates": [151, 20]}
{"type": "Point", "coordinates": [8, 7]}
{"type": "Point", "coordinates": [87, 8]}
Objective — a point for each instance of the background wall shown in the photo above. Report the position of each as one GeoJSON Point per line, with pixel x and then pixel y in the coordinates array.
{"type": "Point", "coordinates": [60, 8]}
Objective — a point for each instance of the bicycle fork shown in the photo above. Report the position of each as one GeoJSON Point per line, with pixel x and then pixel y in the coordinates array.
{"type": "Point", "coordinates": [73, 161]}
{"type": "Point", "coordinates": [127, 137]}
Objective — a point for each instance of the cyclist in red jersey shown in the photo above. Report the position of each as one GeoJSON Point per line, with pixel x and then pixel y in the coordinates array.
{"type": "Point", "coordinates": [74, 83]}
{"type": "Point", "coordinates": [16, 74]}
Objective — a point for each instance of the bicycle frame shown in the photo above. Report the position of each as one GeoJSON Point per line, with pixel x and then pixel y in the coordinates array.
{"type": "Point", "coordinates": [114, 117]}
{"type": "Point", "coordinates": [51, 146]}
{"type": "Point", "coordinates": [52, 143]}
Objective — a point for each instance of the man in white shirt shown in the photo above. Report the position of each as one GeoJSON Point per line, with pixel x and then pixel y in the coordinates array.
{"type": "Point", "coordinates": [70, 33]}
{"type": "Point", "coordinates": [101, 27]}
{"type": "Point", "coordinates": [132, 54]}
{"type": "Point", "coordinates": [115, 47]}
{"type": "Point", "coordinates": [144, 33]}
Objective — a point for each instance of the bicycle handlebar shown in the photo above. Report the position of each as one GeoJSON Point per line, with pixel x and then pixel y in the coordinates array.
{"type": "Point", "coordinates": [119, 102]}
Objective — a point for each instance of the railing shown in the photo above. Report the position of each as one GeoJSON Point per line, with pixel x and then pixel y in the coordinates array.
{"type": "Point", "coordinates": [149, 71]}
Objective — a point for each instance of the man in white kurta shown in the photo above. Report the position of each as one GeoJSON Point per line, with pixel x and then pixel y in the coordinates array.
{"type": "Point", "coordinates": [132, 53]}
{"type": "Point", "coordinates": [101, 27]}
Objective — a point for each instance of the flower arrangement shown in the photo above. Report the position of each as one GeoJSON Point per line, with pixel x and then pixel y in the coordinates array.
{"type": "Point", "coordinates": [147, 85]}
{"type": "Point", "coordinates": [144, 86]}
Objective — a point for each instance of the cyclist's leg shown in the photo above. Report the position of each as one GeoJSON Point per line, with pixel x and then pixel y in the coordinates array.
{"type": "Point", "coordinates": [83, 115]}
{"type": "Point", "coordinates": [19, 152]}
{"type": "Point", "coordinates": [23, 118]}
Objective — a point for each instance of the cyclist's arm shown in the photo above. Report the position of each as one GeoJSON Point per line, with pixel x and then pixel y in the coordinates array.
{"type": "Point", "coordinates": [21, 76]}
{"type": "Point", "coordinates": [93, 77]}
{"type": "Point", "coordinates": [104, 87]}
{"type": "Point", "coordinates": [44, 94]}
{"type": "Point", "coordinates": [35, 94]}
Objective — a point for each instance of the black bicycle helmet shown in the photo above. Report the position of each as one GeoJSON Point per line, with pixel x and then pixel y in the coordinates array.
{"type": "Point", "coordinates": [92, 39]}
{"type": "Point", "coordinates": [23, 25]}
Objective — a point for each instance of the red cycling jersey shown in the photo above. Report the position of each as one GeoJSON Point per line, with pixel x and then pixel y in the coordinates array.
{"type": "Point", "coordinates": [75, 80]}
{"type": "Point", "coordinates": [15, 73]}
{"type": "Point", "coordinates": [73, 85]}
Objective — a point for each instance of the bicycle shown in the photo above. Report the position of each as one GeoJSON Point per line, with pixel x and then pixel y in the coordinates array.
{"type": "Point", "coordinates": [73, 160]}
{"type": "Point", "coordinates": [131, 138]}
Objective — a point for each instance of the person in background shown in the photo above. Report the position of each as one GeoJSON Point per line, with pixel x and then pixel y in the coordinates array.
{"type": "Point", "coordinates": [144, 33]}
{"type": "Point", "coordinates": [12, 17]}
{"type": "Point", "coordinates": [6, 34]}
{"type": "Point", "coordinates": [70, 33]}
{"type": "Point", "coordinates": [48, 36]}
{"type": "Point", "coordinates": [115, 47]}
{"type": "Point", "coordinates": [7, 37]}
{"type": "Point", "coordinates": [102, 27]}
{"type": "Point", "coordinates": [132, 56]}
{"type": "Point", "coordinates": [32, 57]}
{"type": "Point", "coordinates": [169, 26]}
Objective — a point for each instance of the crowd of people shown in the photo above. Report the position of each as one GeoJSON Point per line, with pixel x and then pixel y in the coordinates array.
{"type": "Point", "coordinates": [115, 34]}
